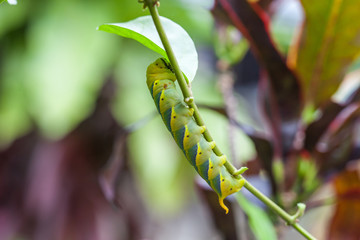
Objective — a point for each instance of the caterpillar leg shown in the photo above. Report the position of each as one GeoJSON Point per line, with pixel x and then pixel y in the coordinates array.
{"type": "Point", "coordinates": [222, 160]}
{"type": "Point", "coordinates": [191, 112]}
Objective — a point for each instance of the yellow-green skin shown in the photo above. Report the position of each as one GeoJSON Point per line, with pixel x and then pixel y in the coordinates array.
{"type": "Point", "coordinates": [179, 120]}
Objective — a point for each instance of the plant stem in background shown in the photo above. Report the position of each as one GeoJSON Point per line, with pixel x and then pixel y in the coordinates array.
{"type": "Point", "coordinates": [290, 220]}
{"type": "Point", "coordinates": [226, 80]}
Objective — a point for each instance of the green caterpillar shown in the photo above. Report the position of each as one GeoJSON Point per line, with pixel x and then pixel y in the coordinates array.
{"type": "Point", "coordinates": [179, 120]}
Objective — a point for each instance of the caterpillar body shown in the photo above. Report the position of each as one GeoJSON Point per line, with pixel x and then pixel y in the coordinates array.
{"type": "Point", "coordinates": [188, 135]}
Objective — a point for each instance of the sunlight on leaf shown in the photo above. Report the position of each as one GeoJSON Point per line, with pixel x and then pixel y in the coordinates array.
{"type": "Point", "coordinates": [143, 30]}
{"type": "Point", "coordinates": [12, 2]}
{"type": "Point", "coordinates": [327, 46]}
{"type": "Point", "coordinates": [348, 86]}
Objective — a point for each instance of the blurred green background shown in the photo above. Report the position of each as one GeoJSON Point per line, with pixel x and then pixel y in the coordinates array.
{"type": "Point", "coordinates": [53, 65]}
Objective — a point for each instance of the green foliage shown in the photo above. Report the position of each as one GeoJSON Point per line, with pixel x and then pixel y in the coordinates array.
{"type": "Point", "coordinates": [230, 46]}
{"type": "Point", "coordinates": [56, 77]}
{"type": "Point", "coordinates": [278, 169]}
{"type": "Point", "coordinates": [328, 45]}
{"type": "Point", "coordinates": [259, 220]}
{"type": "Point", "coordinates": [307, 173]}
{"type": "Point", "coordinates": [53, 63]}
{"type": "Point", "coordinates": [143, 30]}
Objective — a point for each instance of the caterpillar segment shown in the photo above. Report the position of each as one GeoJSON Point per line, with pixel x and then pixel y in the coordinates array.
{"type": "Point", "coordinates": [200, 152]}
{"type": "Point", "coordinates": [179, 120]}
{"type": "Point", "coordinates": [180, 116]}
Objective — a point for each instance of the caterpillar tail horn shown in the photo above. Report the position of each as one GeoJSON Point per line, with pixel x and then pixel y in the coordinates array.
{"type": "Point", "coordinates": [221, 202]}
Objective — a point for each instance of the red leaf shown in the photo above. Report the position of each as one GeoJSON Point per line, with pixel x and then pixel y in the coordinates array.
{"type": "Point", "coordinates": [345, 223]}
{"type": "Point", "coordinates": [284, 87]}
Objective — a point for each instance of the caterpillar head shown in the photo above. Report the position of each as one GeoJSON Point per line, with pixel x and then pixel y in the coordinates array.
{"type": "Point", "coordinates": [159, 70]}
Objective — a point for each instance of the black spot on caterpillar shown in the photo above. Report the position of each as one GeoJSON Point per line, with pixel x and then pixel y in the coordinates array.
{"type": "Point", "coordinates": [179, 120]}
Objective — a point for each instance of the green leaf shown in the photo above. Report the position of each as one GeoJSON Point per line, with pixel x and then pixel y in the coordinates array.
{"type": "Point", "coordinates": [143, 30]}
{"type": "Point", "coordinates": [259, 221]}
{"type": "Point", "coordinates": [328, 45]}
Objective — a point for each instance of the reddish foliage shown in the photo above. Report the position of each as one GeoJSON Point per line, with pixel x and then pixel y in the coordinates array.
{"type": "Point", "coordinates": [345, 221]}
